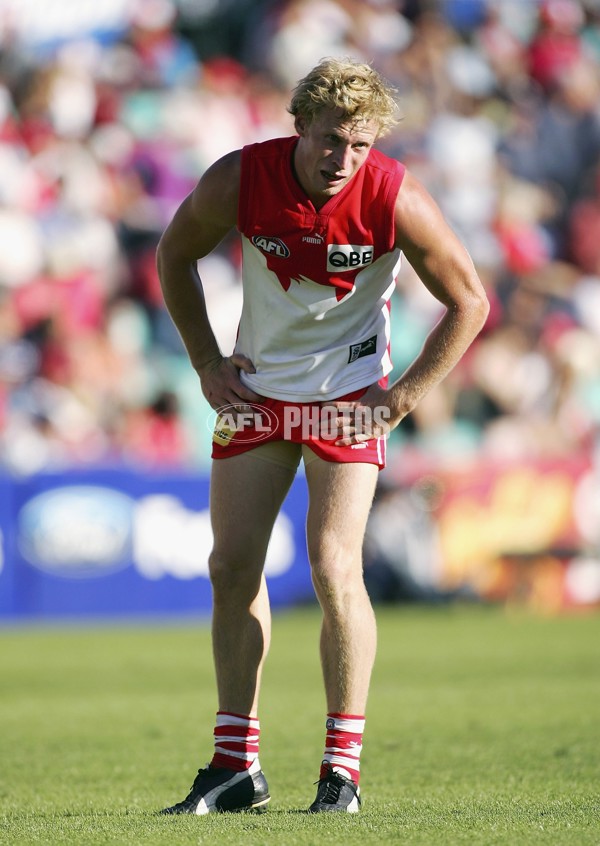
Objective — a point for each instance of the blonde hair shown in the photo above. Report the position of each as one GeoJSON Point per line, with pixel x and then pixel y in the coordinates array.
{"type": "Point", "coordinates": [353, 87]}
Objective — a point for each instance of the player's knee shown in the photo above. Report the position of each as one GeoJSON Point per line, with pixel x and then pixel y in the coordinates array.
{"type": "Point", "coordinates": [330, 561]}
{"type": "Point", "coordinates": [334, 578]}
{"type": "Point", "coordinates": [231, 574]}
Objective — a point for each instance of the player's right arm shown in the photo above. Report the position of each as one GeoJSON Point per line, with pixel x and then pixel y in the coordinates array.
{"type": "Point", "coordinates": [198, 226]}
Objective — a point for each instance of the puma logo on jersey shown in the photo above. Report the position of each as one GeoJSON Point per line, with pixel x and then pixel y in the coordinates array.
{"type": "Point", "coordinates": [344, 257]}
{"type": "Point", "coordinates": [271, 246]}
{"type": "Point", "coordinates": [313, 239]}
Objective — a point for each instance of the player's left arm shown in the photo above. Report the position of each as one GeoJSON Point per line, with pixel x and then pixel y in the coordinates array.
{"type": "Point", "coordinates": [446, 269]}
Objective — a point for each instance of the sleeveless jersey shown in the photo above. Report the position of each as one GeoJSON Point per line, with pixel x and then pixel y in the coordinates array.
{"type": "Point", "coordinates": [316, 284]}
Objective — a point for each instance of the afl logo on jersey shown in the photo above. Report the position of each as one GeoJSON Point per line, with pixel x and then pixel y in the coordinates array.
{"type": "Point", "coordinates": [271, 246]}
{"type": "Point", "coordinates": [344, 257]}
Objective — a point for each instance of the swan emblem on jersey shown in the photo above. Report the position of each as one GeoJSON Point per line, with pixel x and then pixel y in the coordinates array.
{"type": "Point", "coordinates": [344, 261]}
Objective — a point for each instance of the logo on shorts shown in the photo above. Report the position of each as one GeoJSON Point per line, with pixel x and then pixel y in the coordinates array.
{"type": "Point", "coordinates": [271, 246]}
{"type": "Point", "coordinates": [253, 422]}
{"type": "Point", "coordinates": [368, 347]}
{"type": "Point", "coordinates": [342, 258]}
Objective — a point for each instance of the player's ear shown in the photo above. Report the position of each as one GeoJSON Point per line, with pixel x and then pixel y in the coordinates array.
{"type": "Point", "coordinates": [300, 124]}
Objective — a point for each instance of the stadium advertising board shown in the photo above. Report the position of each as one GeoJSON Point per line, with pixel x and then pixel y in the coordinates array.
{"type": "Point", "coordinates": [119, 543]}
{"type": "Point", "coordinates": [524, 532]}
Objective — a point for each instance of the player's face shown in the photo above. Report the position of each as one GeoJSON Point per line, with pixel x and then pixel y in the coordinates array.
{"type": "Point", "coordinates": [330, 151]}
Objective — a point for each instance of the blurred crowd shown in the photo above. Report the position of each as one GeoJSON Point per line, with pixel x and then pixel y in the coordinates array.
{"type": "Point", "coordinates": [102, 134]}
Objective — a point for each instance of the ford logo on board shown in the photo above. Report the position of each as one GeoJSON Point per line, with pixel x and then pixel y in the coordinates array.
{"type": "Point", "coordinates": [77, 531]}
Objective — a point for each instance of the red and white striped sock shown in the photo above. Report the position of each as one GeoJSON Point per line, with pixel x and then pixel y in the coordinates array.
{"type": "Point", "coordinates": [236, 741]}
{"type": "Point", "coordinates": [343, 745]}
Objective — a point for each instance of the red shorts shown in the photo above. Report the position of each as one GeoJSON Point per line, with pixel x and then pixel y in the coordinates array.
{"type": "Point", "coordinates": [306, 423]}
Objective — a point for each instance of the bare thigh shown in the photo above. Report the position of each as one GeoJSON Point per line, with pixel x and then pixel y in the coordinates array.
{"type": "Point", "coordinates": [340, 497]}
{"type": "Point", "coordinates": [245, 497]}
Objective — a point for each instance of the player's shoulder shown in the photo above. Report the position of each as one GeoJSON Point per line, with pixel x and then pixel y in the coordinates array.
{"type": "Point", "coordinates": [414, 193]}
{"type": "Point", "coordinates": [223, 175]}
{"type": "Point", "coordinates": [418, 218]}
{"type": "Point", "coordinates": [270, 149]}
{"type": "Point", "coordinates": [225, 167]}
{"type": "Point", "coordinates": [217, 190]}
{"type": "Point", "coordinates": [378, 160]}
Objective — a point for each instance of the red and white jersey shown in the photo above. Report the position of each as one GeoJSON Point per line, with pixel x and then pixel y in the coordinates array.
{"type": "Point", "coordinates": [316, 284]}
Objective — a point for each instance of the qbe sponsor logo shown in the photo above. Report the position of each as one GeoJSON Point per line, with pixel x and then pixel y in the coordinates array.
{"type": "Point", "coordinates": [342, 258]}
{"type": "Point", "coordinates": [82, 532]}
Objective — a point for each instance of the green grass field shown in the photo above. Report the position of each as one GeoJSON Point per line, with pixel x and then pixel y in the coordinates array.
{"type": "Point", "coordinates": [483, 728]}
